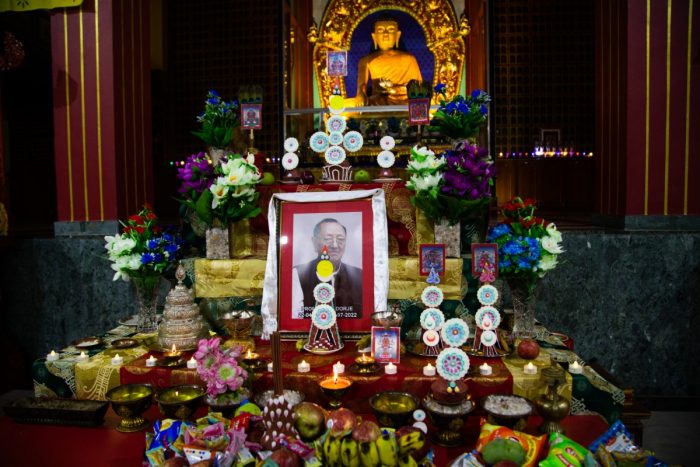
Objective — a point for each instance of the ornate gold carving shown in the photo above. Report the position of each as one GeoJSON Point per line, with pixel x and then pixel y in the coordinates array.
{"type": "Point", "coordinates": [444, 37]}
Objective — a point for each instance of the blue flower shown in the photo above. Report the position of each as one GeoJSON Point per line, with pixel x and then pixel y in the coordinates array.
{"type": "Point", "coordinates": [498, 231]}
{"type": "Point", "coordinates": [146, 258]}
{"type": "Point", "coordinates": [483, 110]}
{"type": "Point", "coordinates": [158, 258]}
{"type": "Point", "coordinates": [523, 264]}
{"type": "Point", "coordinates": [513, 248]}
{"type": "Point", "coordinates": [503, 264]}
{"type": "Point", "coordinates": [213, 101]}
{"type": "Point", "coordinates": [476, 93]}
{"type": "Point", "coordinates": [213, 93]}
{"type": "Point", "coordinates": [152, 244]}
{"type": "Point", "coordinates": [440, 88]}
{"type": "Point", "coordinates": [171, 248]}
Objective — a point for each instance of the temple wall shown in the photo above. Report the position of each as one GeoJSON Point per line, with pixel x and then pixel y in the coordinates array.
{"type": "Point", "coordinates": [629, 300]}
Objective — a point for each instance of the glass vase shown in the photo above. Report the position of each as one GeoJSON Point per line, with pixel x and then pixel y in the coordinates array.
{"type": "Point", "coordinates": [523, 294]}
{"type": "Point", "coordinates": [218, 244]}
{"type": "Point", "coordinates": [146, 286]}
{"type": "Point", "coordinates": [450, 236]}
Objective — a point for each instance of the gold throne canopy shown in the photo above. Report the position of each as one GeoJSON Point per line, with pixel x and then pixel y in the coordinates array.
{"type": "Point", "coordinates": [443, 37]}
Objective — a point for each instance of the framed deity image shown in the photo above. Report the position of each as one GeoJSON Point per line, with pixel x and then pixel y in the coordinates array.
{"type": "Point", "coordinates": [251, 116]}
{"type": "Point", "coordinates": [310, 230]}
{"type": "Point", "coordinates": [432, 256]}
{"type": "Point", "coordinates": [419, 111]}
{"type": "Point", "coordinates": [483, 255]}
{"type": "Point", "coordinates": [386, 344]}
{"type": "Point", "coordinates": [337, 63]}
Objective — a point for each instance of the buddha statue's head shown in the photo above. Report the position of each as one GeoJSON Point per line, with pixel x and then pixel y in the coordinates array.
{"type": "Point", "coordinates": [386, 34]}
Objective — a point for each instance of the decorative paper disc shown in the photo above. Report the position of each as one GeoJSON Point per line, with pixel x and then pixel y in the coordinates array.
{"type": "Point", "coordinates": [432, 318]}
{"type": "Point", "coordinates": [335, 155]}
{"type": "Point", "coordinates": [488, 338]}
{"type": "Point", "coordinates": [432, 296]}
{"type": "Point", "coordinates": [353, 141]}
{"type": "Point", "coordinates": [385, 159]}
{"type": "Point", "coordinates": [323, 316]}
{"type": "Point", "coordinates": [291, 144]}
{"type": "Point", "coordinates": [319, 141]}
{"type": "Point", "coordinates": [324, 270]}
{"type": "Point", "coordinates": [487, 317]}
{"type": "Point", "coordinates": [419, 415]}
{"type": "Point", "coordinates": [452, 364]}
{"type": "Point", "coordinates": [335, 123]}
{"type": "Point", "coordinates": [324, 293]}
{"type": "Point", "coordinates": [335, 138]}
{"type": "Point", "coordinates": [387, 143]}
{"type": "Point", "coordinates": [455, 332]}
{"type": "Point", "coordinates": [431, 338]}
{"type": "Point", "coordinates": [290, 161]}
{"type": "Point", "coordinates": [487, 294]}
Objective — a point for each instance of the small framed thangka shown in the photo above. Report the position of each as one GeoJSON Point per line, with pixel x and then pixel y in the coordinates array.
{"type": "Point", "coordinates": [432, 257]}
{"type": "Point", "coordinates": [337, 63]}
{"type": "Point", "coordinates": [484, 255]}
{"type": "Point", "coordinates": [251, 116]}
{"type": "Point", "coordinates": [418, 111]}
{"type": "Point", "coordinates": [328, 256]}
{"type": "Point", "coordinates": [386, 344]}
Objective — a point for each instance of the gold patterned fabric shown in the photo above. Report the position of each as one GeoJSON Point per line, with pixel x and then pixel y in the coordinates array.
{"type": "Point", "coordinates": [533, 386]}
{"type": "Point", "coordinates": [94, 377]}
{"type": "Point", "coordinates": [244, 278]}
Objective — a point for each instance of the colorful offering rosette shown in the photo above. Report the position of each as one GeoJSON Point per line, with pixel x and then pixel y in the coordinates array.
{"type": "Point", "coordinates": [319, 142]}
{"type": "Point", "coordinates": [353, 141]}
{"type": "Point", "coordinates": [487, 294]}
{"type": "Point", "coordinates": [335, 155]}
{"type": "Point", "coordinates": [323, 316]}
{"type": "Point", "coordinates": [455, 332]}
{"type": "Point", "coordinates": [452, 364]}
{"type": "Point", "coordinates": [335, 138]}
{"type": "Point", "coordinates": [432, 296]}
{"type": "Point", "coordinates": [336, 124]}
{"type": "Point", "coordinates": [487, 317]}
{"type": "Point", "coordinates": [324, 292]}
{"type": "Point", "coordinates": [432, 319]}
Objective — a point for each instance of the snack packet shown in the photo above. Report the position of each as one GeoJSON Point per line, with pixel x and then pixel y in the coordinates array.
{"type": "Point", "coordinates": [617, 438]}
{"type": "Point", "coordinates": [532, 444]}
{"type": "Point", "coordinates": [564, 452]}
{"type": "Point", "coordinates": [468, 459]}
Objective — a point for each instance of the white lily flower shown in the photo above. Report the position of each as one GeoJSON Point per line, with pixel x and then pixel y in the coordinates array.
{"type": "Point", "coordinates": [219, 190]}
{"type": "Point", "coordinates": [251, 158]}
{"type": "Point", "coordinates": [553, 232]}
{"type": "Point", "coordinates": [547, 262]}
{"type": "Point", "coordinates": [426, 182]}
{"type": "Point", "coordinates": [423, 151]}
{"type": "Point", "coordinates": [551, 245]}
{"type": "Point", "coordinates": [134, 262]}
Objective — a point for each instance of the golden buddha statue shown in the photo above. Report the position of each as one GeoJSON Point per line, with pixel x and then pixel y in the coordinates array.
{"type": "Point", "coordinates": [388, 69]}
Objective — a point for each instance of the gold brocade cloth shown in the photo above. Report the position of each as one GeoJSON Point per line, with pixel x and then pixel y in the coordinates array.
{"type": "Point", "coordinates": [244, 278]}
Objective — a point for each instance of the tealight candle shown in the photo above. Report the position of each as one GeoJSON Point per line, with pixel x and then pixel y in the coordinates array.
{"type": "Point", "coordinates": [270, 367]}
{"type": "Point", "coordinates": [192, 364]}
{"type": "Point", "coordinates": [390, 369]}
{"type": "Point", "coordinates": [530, 369]}
{"type": "Point", "coordinates": [429, 370]}
{"type": "Point", "coordinates": [82, 357]}
{"type": "Point", "coordinates": [339, 368]}
{"type": "Point", "coordinates": [151, 361]}
{"type": "Point", "coordinates": [173, 352]}
{"type": "Point", "coordinates": [575, 368]}
{"type": "Point", "coordinates": [117, 360]}
{"type": "Point", "coordinates": [303, 367]}
{"type": "Point", "coordinates": [52, 357]}
{"type": "Point", "coordinates": [485, 369]}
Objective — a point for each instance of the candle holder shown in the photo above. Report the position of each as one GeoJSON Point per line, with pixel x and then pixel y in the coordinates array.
{"type": "Point", "coordinates": [130, 401]}
{"type": "Point", "coordinates": [334, 388]}
{"type": "Point", "coordinates": [253, 362]}
{"type": "Point", "coordinates": [365, 365]}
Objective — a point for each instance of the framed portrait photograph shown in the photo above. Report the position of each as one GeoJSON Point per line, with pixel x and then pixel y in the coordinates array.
{"type": "Point", "coordinates": [482, 252]}
{"type": "Point", "coordinates": [251, 116]}
{"type": "Point", "coordinates": [311, 229]}
{"type": "Point", "coordinates": [419, 111]}
{"type": "Point", "coordinates": [386, 344]}
{"type": "Point", "coordinates": [337, 61]}
{"type": "Point", "coordinates": [432, 256]}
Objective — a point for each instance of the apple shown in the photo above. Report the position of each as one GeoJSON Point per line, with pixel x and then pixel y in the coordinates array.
{"type": "Point", "coordinates": [366, 432]}
{"type": "Point", "coordinates": [309, 420]}
{"type": "Point", "coordinates": [362, 176]}
{"type": "Point", "coordinates": [342, 422]}
{"type": "Point", "coordinates": [285, 458]}
{"type": "Point", "coordinates": [528, 349]}
{"type": "Point", "coordinates": [268, 178]}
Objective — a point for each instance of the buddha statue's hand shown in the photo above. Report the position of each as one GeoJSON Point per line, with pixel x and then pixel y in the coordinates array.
{"type": "Point", "coordinates": [386, 85]}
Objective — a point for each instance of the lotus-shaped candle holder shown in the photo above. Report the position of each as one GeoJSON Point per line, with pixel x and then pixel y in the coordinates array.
{"type": "Point", "coordinates": [130, 401]}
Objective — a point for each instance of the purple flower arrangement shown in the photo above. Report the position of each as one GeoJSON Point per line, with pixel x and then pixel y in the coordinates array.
{"type": "Point", "coordinates": [468, 173]}
{"type": "Point", "coordinates": [219, 369]}
{"type": "Point", "coordinates": [196, 175]}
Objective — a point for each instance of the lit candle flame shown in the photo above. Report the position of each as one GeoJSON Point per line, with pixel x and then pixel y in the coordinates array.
{"type": "Point", "coordinates": [248, 354]}
{"type": "Point", "coordinates": [174, 349]}
{"type": "Point", "coordinates": [335, 375]}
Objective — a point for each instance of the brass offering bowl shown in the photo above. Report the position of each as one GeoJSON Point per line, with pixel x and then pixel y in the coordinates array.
{"type": "Point", "coordinates": [130, 401]}
{"type": "Point", "coordinates": [180, 401]}
{"type": "Point", "coordinates": [507, 410]}
{"type": "Point", "coordinates": [334, 389]}
{"type": "Point", "coordinates": [387, 319]}
{"type": "Point", "coordinates": [393, 409]}
{"type": "Point", "coordinates": [364, 365]}
{"type": "Point", "coordinates": [449, 421]}
{"type": "Point", "coordinates": [237, 323]}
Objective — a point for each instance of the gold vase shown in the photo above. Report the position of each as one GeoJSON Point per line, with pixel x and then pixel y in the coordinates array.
{"type": "Point", "coordinates": [552, 407]}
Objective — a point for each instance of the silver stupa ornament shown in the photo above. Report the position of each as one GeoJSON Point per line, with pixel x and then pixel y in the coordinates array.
{"type": "Point", "coordinates": [182, 324]}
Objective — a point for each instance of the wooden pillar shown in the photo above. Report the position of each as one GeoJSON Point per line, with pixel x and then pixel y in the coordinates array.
{"type": "Point", "coordinates": [102, 109]}
{"type": "Point", "coordinates": [647, 87]}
